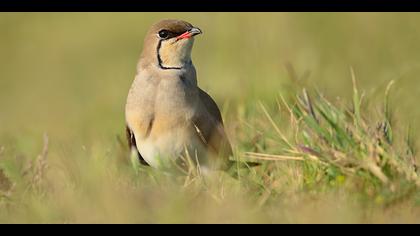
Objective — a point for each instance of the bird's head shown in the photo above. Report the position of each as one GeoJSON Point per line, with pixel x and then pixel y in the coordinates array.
{"type": "Point", "coordinates": [169, 44]}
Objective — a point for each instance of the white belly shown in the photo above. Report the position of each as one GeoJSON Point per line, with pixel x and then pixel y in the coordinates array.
{"type": "Point", "coordinates": [164, 150]}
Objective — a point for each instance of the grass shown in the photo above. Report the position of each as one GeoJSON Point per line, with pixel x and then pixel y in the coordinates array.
{"type": "Point", "coordinates": [329, 151]}
{"type": "Point", "coordinates": [338, 144]}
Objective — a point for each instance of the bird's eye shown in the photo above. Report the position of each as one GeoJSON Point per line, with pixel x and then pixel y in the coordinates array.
{"type": "Point", "coordinates": [163, 34]}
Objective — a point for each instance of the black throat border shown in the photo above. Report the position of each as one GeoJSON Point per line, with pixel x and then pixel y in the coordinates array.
{"type": "Point", "coordinates": [160, 59]}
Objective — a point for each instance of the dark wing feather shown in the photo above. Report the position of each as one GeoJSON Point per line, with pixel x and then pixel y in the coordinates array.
{"type": "Point", "coordinates": [211, 106]}
{"type": "Point", "coordinates": [210, 127]}
{"type": "Point", "coordinates": [132, 144]}
{"type": "Point", "coordinates": [212, 133]}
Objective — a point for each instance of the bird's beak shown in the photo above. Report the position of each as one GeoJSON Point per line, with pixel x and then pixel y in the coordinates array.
{"type": "Point", "coordinates": [195, 31]}
{"type": "Point", "coordinates": [190, 33]}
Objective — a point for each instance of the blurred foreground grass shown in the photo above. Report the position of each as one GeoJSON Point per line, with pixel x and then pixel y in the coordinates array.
{"type": "Point", "coordinates": [67, 75]}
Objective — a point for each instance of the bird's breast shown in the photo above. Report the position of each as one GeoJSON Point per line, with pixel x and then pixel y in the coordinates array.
{"type": "Point", "coordinates": [175, 100]}
{"type": "Point", "coordinates": [160, 112]}
{"type": "Point", "coordinates": [162, 149]}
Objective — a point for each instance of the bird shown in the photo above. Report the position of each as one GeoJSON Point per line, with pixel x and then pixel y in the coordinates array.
{"type": "Point", "coordinates": [168, 116]}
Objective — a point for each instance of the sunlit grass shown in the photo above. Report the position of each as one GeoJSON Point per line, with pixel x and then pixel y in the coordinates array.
{"type": "Point", "coordinates": [328, 151]}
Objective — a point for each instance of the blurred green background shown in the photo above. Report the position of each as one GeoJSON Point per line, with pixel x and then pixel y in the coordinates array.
{"type": "Point", "coordinates": [68, 74]}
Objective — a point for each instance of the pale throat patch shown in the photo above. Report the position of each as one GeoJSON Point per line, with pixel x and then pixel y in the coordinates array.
{"type": "Point", "coordinates": [175, 54]}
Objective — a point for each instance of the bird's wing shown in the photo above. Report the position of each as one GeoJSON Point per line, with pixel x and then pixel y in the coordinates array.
{"type": "Point", "coordinates": [211, 106]}
{"type": "Point", "coordinates": [210, 129]}
{"type": "Point", "coordinates": [132, 144]}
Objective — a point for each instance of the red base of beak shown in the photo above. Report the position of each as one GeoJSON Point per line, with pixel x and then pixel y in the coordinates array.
{"type": "Point", "coordinates": [185, 35]}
